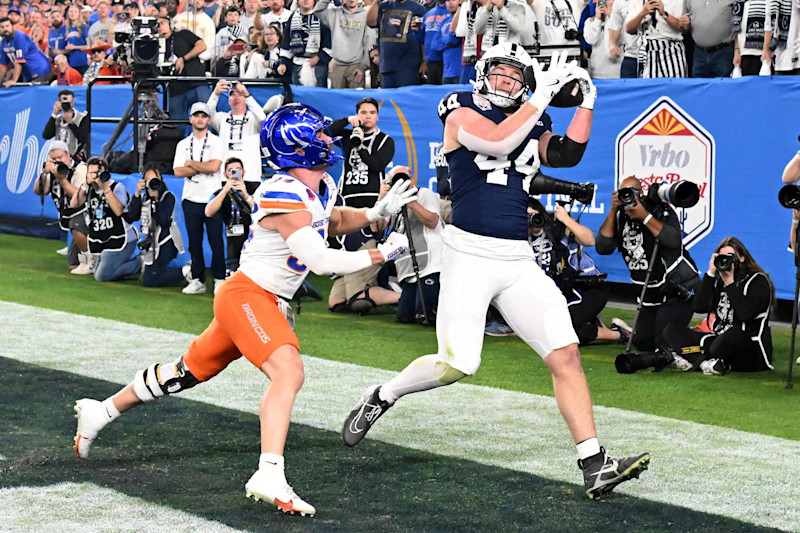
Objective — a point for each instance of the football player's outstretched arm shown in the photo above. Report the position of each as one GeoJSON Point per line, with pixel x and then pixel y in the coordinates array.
{"type": "Point", "coordinates": [345, 220]}
{"type": "Point", "coordinates": [567, 151]}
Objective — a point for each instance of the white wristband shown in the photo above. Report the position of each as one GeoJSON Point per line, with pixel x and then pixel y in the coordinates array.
{"type": "Point", "coordinates": [647, 219]}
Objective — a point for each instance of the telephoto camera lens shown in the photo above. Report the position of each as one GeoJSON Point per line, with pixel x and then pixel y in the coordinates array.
{"type": "Point", "coordinates": [536, 220]}
{"type": "Point", "coordinates": [62, 169]}
{"type": "Point", "coordinates": [724, 262]}
{"type": "Point", "coordinates": [355, 138]}
{"type": "Point", "coordinates": [104, 176]}
{"type": "Point", "coordinates": [154, 184]}
{"type": "Point", "coordinates": [627, 196]}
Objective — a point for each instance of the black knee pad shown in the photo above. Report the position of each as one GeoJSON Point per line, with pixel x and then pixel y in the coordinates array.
{"type": "Point", "coordinates": [159, 380]}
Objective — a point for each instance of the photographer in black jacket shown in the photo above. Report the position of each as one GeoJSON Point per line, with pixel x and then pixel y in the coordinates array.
{"type": "Point", "coordinates": [633, 229]}
{"type": "Point", "coordinates": [737, 295]}
{"type": "Point", "coordinates": [367, 151]}
{"type": "Point", "coordinates": [112, 240]}
{"type": "Point", "coordinates": [154, 205]}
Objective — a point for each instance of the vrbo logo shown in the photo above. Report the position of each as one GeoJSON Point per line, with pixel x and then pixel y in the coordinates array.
{"type": "Point", "coordinates": [20, 172]}
{"type": "Point", "coordinates": [663, 157]}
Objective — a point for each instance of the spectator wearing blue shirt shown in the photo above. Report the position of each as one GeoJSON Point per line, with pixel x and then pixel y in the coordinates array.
{"type": "Point", "coordinates": [77, 40]}
{"type": "Point", "coordinates": [21, 58]}
{"type": "Point", "coordinates": [432, 22]}
{"type": "Point", "coordinates": [400, 38]}
{"type": "Point", "coordinates": [451, 46]}
{"type": "Point", "coordinates": [57, 36]}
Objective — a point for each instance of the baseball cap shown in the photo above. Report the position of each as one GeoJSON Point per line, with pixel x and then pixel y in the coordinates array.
{"type": "Point", "coordinates": [58, 145]}
{"type": "Point", "coordinates": [86, 8]}
{"type": "Point", "coordinates": [14, 10]}
{"type": "Point", "coordinates": [200, 107]}
{"type": "Point", "coordinates": [117, 2]}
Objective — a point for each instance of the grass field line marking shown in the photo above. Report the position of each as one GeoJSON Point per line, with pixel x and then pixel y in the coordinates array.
{"type": "Point", "coordinates": [54, 508]}
{"type": "Point", "coordinates": [746, 476]}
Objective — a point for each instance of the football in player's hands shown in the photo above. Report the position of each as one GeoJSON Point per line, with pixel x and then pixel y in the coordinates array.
{"type": "Point", "coordinates": [394, 245]}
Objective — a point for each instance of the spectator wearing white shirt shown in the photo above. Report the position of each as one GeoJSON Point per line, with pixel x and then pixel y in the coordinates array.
{"type": "Point", "coordinates": [558, 26]}
{"type": "Point", "coordinates": [782, 42]}
{"type": "Point", "coordinates": [595, 32]}
{"type": "Point", "coordinates": [630, 42]}
{"type": "Point", "coordinates": [251, 15]}
{"type": "Point", "coordinates": [278, 14]}
{"type": "Point", "coordinates": [464, 24]}
{"type": "Point", "coordinates": [263, 63]}
{"type": "Point", "coordinates": [659, 23]}
{"type": "Point", "coordinates": [749, 23]}
{"type": "Point", "coordinates": [500, 21]}
{"type": "Point", "coordinates": [239, 130]}
{"type": "Point", "coordinates": [230, 31]}
{"type": "Point", "coordinates": [198, 158]}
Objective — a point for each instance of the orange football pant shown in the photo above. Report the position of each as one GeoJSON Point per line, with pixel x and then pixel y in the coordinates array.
{"type": "Point", "coordinates": [246, 322]}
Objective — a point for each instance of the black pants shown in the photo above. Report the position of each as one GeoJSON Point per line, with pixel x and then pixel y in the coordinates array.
{"type": "Point", "coordinates": [194, 216]}
{"type": "Point", "coordinates": [235, 245]}
{"type": "Point", "coordinates": [435, 72]}
{"type": "Point", "coordinates": [409, 304]}
{"type": "Point", "coordinates": [159, 274]}
{"type": "Point", "coordinates": [751, 65]}
{"type": "Point", "coordinates": [652, 321]}
{"type": "Point", "coordinates": [584, 314]}
{"type": "Point", "coordinates": [734, 347]}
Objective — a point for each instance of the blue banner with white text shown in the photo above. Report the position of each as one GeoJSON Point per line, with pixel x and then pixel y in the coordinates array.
{"type": "Point", "coordinates": [733, 137]}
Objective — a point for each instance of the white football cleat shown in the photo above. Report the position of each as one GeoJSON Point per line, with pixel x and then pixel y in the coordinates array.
{"type": "Point", "coordinates": [92, 417]}
{"type": "Point", "coordinates": [63, 251]}
{"type": "Point", "coordinates": [267, 487]}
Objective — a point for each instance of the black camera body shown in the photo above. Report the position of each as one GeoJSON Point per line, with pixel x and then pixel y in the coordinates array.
{"type": "Point", "coordinates": [627, 196]}
{"type": "Point", "coordinates": [65, 105]}
{"type": "Point", "coordinates": [63, 170]}
{"type": "Point", "coordinates": [536, 220]}
{"type": "Point", "coordinates": [146, 244]}
{"type": "Point", "coordinates": [573, 35]}
{"type": "Point", "coordinates": [725, 262]}
{"type": "Point", "coordinates": [104, 176]}
{"type": "Point", "coordinates": [154, 184]}
{"type": "Point", "coordinates": [355, 138]}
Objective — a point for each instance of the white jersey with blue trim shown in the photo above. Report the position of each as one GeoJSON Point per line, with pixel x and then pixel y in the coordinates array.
{"type": "Point", "coordinates": [266, 258]}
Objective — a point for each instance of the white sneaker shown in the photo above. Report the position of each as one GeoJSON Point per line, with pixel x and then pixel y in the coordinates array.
{"type": "Point", "coordinates": [682, 363]}
{"type": "Point", "coordinates": [63, 251]}
{"type": "Point", "coordinates": [195, 287]}
{"type": "Point", "coordinates": [269, 487]}
{"type": "Point", "coordinates": [713, 367]}
{"type": "Point", "coordinates": [92, 417]}
{"type": "Point", "coordinates": [187, 272]}
{"type": "Point", "coordinates": [217, 284]}
{"type": "Point", "coordinates": [82, 270]}
{"type": "Point", "coordinates": [622, 325]}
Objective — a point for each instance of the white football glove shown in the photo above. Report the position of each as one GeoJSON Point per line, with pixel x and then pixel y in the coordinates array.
{"type": "Point", "coordinates": [398, 196]}
{"type": "Point", "coordinates": [550, 81]}
{"type": "Point", "coordinates": [587, 87]}
{"type": "Point", "coordinates": [394, 245]}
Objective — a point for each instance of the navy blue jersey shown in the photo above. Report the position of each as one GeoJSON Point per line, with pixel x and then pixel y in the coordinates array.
{"type": "Point", "coordinates": [490, 194]}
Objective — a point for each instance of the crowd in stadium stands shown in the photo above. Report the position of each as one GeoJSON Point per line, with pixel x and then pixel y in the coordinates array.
{"type": "Point", "coordinates": [395, 43]}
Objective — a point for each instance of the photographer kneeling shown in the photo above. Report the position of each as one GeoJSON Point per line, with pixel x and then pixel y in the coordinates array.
{"type": "Point", "coordinates": [737, 295]}
{"type": "Point", "coordinates": [421, 221]}
{"type": "Point", "coordinates": [634, 224]}
{"type": "Point", "coordinates": [557, 241]}
{"type": "Point", "coordinates": [110, 235]}
{"type": "Point", "coordinates": [154, 205]}
{"type": "Point", "coordinates": [235, 200]}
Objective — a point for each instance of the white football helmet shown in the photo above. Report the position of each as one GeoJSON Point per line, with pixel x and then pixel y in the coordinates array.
{"type": "Point", "coordinates": [502, 54]}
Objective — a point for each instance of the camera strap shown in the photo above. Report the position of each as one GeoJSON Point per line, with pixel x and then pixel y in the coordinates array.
{"type": "Point", "coordinates": [202, 148]}
{"type": "Point", "coordinates": [558, 14]}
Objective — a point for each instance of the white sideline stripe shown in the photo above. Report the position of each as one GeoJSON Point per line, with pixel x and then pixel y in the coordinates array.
{"type": "Point", "coordinates": [746, 476]}
{"type": "Point", "coordinates": [52, 508]}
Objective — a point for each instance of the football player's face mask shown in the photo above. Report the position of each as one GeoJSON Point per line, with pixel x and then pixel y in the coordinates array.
{"type": "Point", "coordinates": [505, 79]}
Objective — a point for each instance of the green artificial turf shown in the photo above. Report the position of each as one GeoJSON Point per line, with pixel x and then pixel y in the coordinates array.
{"type": "Point", "coordinates": [196, 458]}
{"type": "Point", "coordinates": [33, 274]}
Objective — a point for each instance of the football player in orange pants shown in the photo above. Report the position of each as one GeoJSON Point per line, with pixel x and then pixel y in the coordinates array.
{"type": "Point", "coordinates": [294, 213]}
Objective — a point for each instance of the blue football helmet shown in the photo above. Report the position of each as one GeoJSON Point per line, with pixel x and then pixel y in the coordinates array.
{"type": "Point", "coordinates": [295, 126]}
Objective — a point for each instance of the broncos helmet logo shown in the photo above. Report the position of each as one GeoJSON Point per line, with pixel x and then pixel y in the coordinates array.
{"type": "Point", "coordinates": [297, 133]}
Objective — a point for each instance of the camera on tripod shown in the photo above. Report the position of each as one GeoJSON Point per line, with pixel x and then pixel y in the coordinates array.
{"type": "Point", "coordinates": [140, 47]}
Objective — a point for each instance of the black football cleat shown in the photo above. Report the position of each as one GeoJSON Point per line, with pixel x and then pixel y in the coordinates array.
{"type": "Point", "coordinates": [602, 474]}
{"type": "Point", "coordinates": [366, 412]}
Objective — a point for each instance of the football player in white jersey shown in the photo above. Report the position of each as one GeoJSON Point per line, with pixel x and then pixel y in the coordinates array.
{"type": "Point", "coordinates": [494, 140]}
{"type": "Point", "coordinates": [293, 215]}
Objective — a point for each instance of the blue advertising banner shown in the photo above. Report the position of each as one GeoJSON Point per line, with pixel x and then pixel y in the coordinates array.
{"type": "Point", "coordinates": [732, 137]}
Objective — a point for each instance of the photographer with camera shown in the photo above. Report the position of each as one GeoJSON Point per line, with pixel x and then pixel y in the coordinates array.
{"type": "Point", "coordinates": [235, 201]}
{"type": "Point", "coordinates": [558, 26]}
{"type": "Point", "coordinates": [634, 223]}
{"type": "Point", "coordinates": [791, 174]}
{"type": "Point", "coordinates": [419, 266]}
{"type": "Point", "coordinates": [68, 125]}
{"type": "Point", "coordinates": [111, 239]}
{"type": "Point", "coordinates": [60, 178]}
{"type": "Point", "coordinates": [154, 205]}
{"type": "Point", "coordinates": [737, 295]}
{"type": "Point", "coordinates": [240, 128]}
{"type": "Point", "coordinates": [557, 241]}
{"type": "Point", "coordinates": [367, 151]}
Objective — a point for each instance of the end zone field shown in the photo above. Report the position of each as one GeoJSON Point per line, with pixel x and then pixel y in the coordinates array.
{"type": "Point", "coordinates": [491, 454]}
